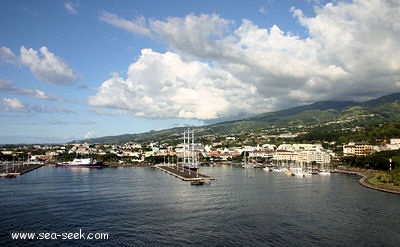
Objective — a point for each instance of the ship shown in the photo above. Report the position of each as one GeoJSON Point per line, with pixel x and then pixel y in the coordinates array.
{"type": "Point", "coordinates": [81, 163]}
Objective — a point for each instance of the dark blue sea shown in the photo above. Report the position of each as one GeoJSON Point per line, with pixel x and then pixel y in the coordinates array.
{"type": "Point", "coordinates": [243, 207]}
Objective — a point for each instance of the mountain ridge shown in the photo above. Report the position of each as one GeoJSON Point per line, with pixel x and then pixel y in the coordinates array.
{"type": "Point", "coordinates": [375, 111]}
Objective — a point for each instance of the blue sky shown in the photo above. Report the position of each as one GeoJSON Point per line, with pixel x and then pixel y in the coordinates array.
{"type": "Point", "coordinates": [79, 69]}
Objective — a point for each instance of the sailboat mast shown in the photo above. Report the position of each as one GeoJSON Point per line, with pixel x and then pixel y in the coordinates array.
{"type": "Point", "coordinates": [193, 157]}
{"type": "Point", "coordinates": [184, 146]}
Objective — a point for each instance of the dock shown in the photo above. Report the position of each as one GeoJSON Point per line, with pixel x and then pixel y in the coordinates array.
{"type": "Point", "coordinates": [182, 173]}
{"type": "Point", "coordinates": [19, 169]}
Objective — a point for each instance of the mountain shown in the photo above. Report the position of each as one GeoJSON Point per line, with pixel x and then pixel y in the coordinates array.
{"type": "Point", "coordinates": [334, 117]}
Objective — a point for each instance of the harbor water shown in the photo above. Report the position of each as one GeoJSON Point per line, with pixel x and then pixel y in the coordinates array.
{"type": "Point", "coordinates": [141, 206]}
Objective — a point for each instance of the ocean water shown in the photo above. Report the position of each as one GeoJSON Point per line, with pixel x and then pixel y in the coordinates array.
{"type": "Point", "coordinates": [243, 207]}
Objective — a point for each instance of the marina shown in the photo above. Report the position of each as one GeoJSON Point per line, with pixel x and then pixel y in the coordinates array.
{"type": "Point", "coordinates": [243, 207]}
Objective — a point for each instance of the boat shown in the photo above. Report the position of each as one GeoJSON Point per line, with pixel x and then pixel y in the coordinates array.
{"type": "Point", "coordinates": [276, 169]}
{"type": "Point", "coordinates": [324, 170]}
{"type": "Point", "coordinates": [10, 175]}
{"type": "Point", "coordinates": [80, 163]}
{"type": "Point", "coordinates": [245, 164]}
{"type": "Point", "coordinates": [198, 182]}
{"type": "Point", "coordinates": [267, 169]}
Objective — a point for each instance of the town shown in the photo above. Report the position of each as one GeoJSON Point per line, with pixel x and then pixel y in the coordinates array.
{"type": "Point", "coordinates": [212, 152]}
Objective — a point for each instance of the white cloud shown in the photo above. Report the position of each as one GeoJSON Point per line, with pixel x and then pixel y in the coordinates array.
{"type": "Point", "coordinates": [137, 26]}
{"type": "Point", "coordinates": [199, 36]}
{"type": "Point", "coordinates": [262, 10]}
{"type": "Point", "coordinates": [71, 7]}
{"type": "Point", "coordinates": [164, 86]}
{"type": "Point", "coordinates": [14, 104]}
{"type": "Point", "coordinates": [218, 69]}
{"type": "Point", "coordinates": [8, 56]}
{"type": "Point", "coordinates": [90, 134]}
{"type": "Point", "coordinates": [46, 66]}
{"type": "Point", "coordinates": [7, 86]}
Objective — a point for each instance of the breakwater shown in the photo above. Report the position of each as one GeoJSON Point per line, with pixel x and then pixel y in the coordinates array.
{"type": "Point", "coordinates": [182, 173]}
{"type": "Point", "coordinates": [19, 169]}
{"type": "Point", "coordinates": [364, 180]}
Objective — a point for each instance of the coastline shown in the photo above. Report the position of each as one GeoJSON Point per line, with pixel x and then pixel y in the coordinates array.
{"type": "Point", "coordinates": [364, 180]}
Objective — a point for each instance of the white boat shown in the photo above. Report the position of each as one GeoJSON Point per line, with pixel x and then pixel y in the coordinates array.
{"type": "Point", "coordinates": [324, 171]}
{"type": "Point", "coordinates": [80, 163]}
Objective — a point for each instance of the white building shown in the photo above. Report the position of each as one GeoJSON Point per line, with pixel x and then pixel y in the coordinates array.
{"type": "Point", "coordinates": [315, 154]}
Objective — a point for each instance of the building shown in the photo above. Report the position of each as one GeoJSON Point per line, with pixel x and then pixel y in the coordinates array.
{"type": "Point", "coordinates": [315, 155]}
{"type": "Point", "coordinates": [357, 148]}
{"type": "Point", "coordinates": [285, 155]}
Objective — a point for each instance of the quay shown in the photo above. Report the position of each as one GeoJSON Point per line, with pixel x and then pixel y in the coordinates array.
{"type": "Point", "coordinates": [182, 173]}
{"type": "Point", "coordinates": [19, 169]}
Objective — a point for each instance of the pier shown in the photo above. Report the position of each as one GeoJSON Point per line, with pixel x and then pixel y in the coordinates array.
{"type": "Point", "coordinates": [18, 169]}
{"type": "Point", "coordinates": [183, 173]}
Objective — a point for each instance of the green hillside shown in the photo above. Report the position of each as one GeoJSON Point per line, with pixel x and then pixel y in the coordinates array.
{"type": "Point", "coordinates": [320, 121]}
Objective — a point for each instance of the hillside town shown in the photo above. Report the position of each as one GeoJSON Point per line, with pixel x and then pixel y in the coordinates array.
{"type": "Point", "coordinates": [135, 153]}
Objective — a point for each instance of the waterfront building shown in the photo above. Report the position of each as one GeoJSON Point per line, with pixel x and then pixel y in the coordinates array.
{"type": "Point", "coordinates": [315, 155]}
{"type": "Point", "coordinates": [285, 155]}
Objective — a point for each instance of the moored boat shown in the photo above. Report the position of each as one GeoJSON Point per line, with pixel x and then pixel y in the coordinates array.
{"type": "Point", "coordinates": [80, 163]}
{"type": "Point", "coordinates": [197, 182]}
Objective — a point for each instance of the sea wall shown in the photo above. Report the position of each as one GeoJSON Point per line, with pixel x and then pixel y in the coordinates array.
{"type": "Point", "coordinates": [364, 181]}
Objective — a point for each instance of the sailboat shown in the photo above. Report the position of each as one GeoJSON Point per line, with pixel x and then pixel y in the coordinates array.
{"type": "Point", "coordinates": [324, 171]}
{"type": "Point", "coordinates": [245, 164]}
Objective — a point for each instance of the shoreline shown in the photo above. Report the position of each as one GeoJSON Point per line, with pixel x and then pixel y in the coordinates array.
{"type": "Point", "coordinates": [364, 181]}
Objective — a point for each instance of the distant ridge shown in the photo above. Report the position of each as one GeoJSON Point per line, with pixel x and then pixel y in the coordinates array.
{"type": "Point", "coordinates": [379, 110]}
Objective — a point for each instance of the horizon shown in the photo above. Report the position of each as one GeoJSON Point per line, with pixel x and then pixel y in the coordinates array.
{"type": "Point", "coordinates": [72, 70]}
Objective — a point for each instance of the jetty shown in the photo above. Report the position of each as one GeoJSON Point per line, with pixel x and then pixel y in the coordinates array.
{"type": "Point", "coordinates": [188, 170]}
{"type": "Point", "coordinates": [18, 169]}
{"type": "Point", "coordinates": [183, 173]}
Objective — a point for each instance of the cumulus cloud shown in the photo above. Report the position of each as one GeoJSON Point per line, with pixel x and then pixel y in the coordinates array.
{"type": "Point", "coordinates": [200, 36]}
{"type": "Point", "coordinates": [8, 56]}
{"type": "Point", "coordinates": [163, 86]}
{"type": "Point", "coordinates": [45, 65]}
{"type": "Point", "coordinates": [219, 69]}
{"type": "Point", "coordinates": [14, 104]}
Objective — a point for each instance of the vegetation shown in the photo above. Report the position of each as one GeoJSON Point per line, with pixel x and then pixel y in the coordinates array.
{"type": "Point", "coordinates": [375, 161]}
{"type": "Point", "coordinates": [330, 121]}
{"type": "Point", "coordinates": [391, 178]}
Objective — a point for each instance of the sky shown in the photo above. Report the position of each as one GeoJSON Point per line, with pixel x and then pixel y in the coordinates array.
{"type": "Point", "coordinates": [72, 70]}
